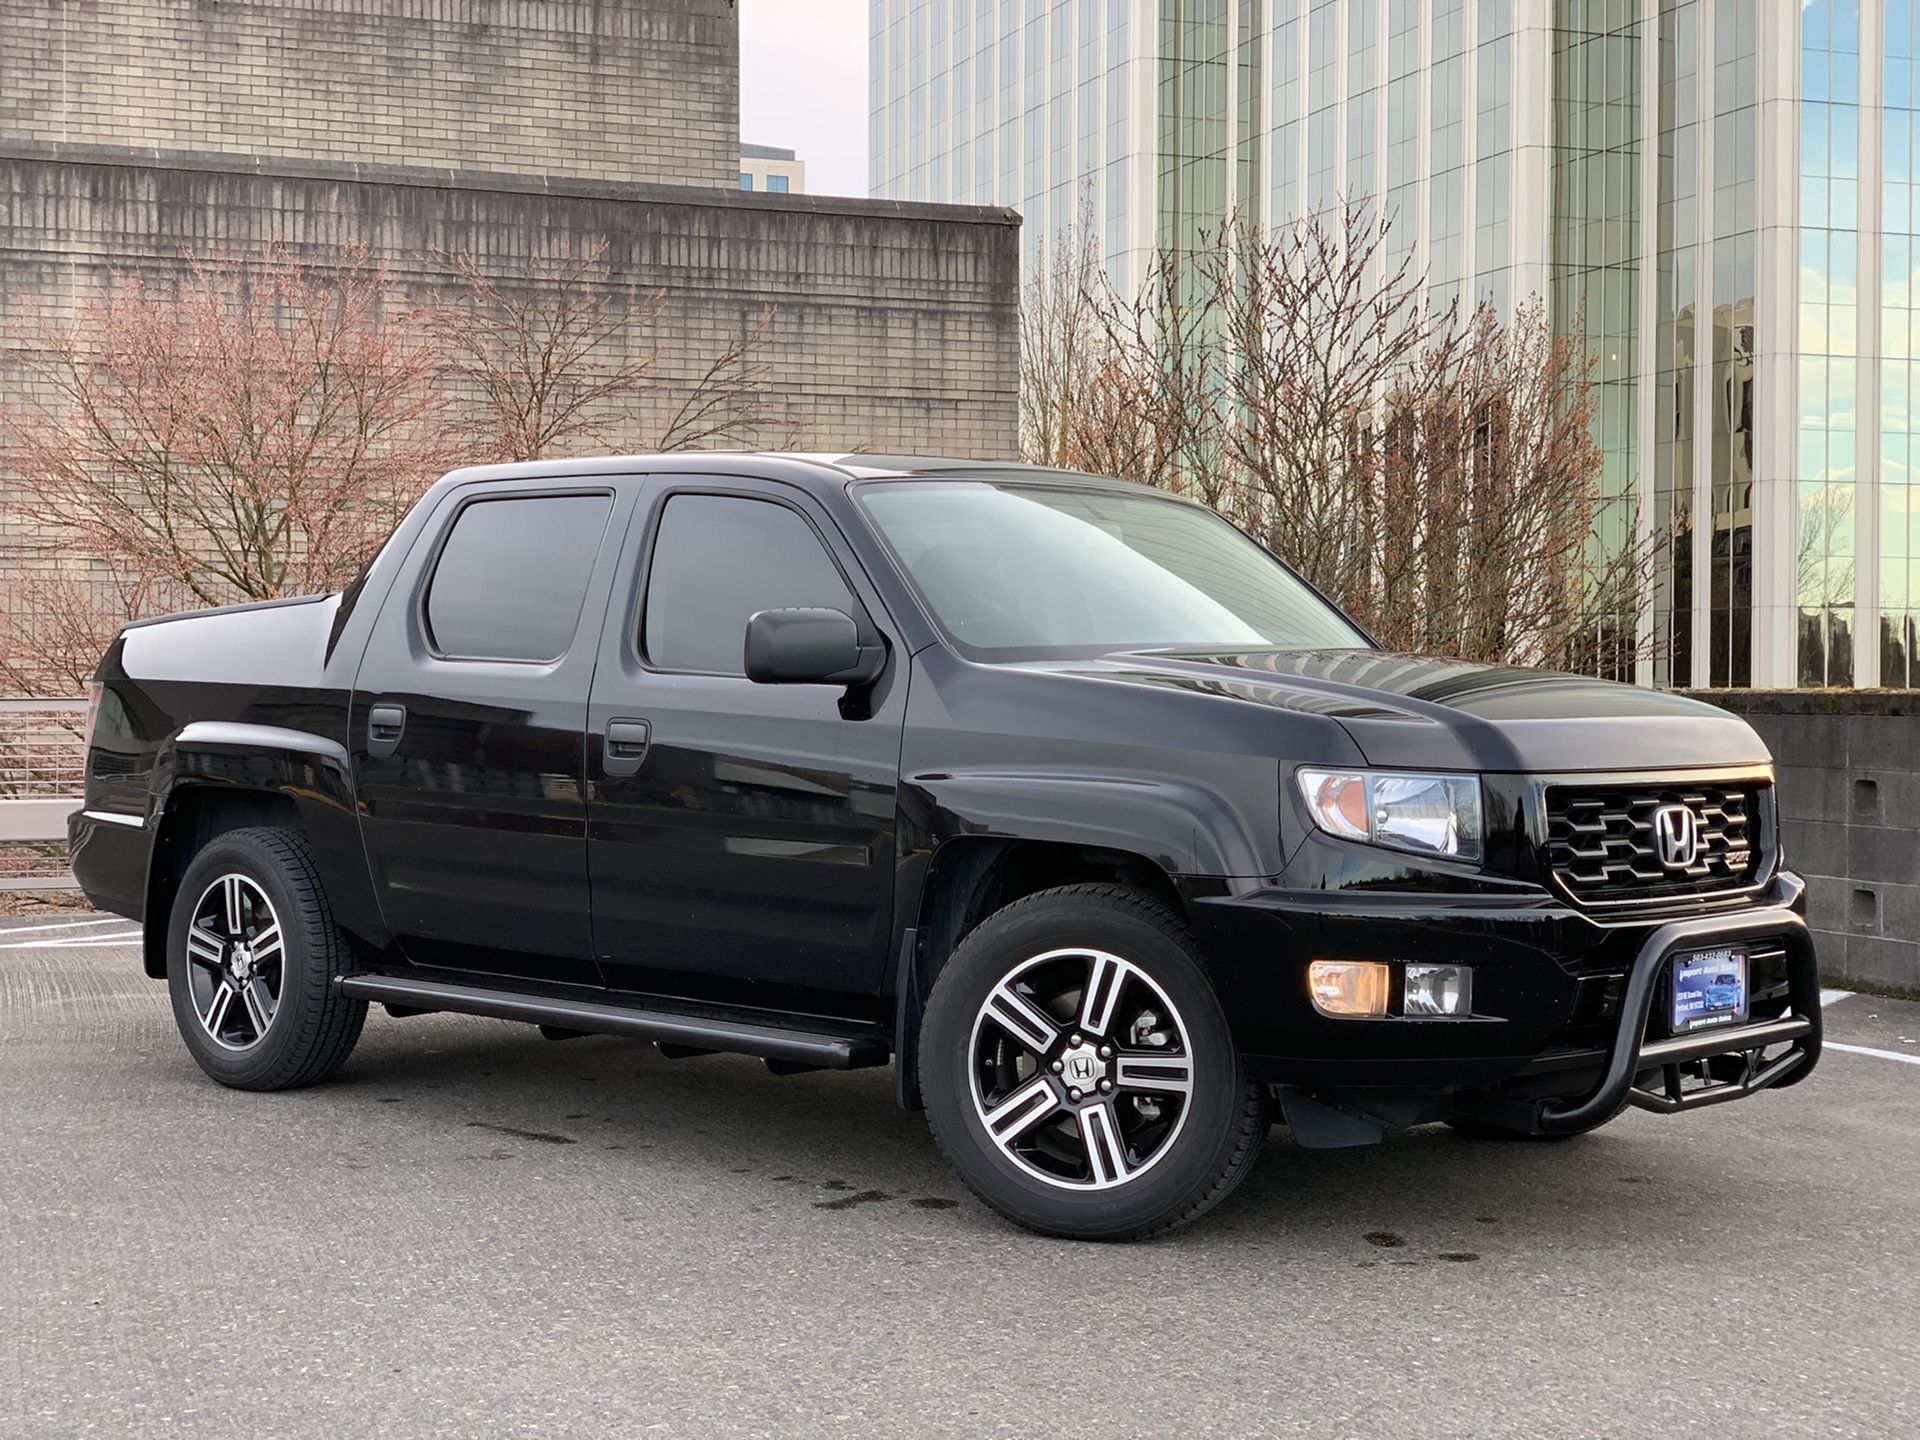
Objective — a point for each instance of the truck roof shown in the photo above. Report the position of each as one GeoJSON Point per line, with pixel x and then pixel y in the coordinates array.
{"type": "Point", "coordinates": [812, 470]}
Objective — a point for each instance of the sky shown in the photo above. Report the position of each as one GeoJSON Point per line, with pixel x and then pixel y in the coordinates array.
{"type": "Point", "coordinates": [803, 85]}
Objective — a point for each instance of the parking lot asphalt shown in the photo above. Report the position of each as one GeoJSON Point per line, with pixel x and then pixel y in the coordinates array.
{"type": "Point", "coordinates": [477, 1232]}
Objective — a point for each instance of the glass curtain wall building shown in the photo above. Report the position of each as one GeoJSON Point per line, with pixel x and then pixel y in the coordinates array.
{"type": "Point", "coordinates": [1719, 196]}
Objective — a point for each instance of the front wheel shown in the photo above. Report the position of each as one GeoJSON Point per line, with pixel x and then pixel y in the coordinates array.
{"type": "Point", "coordinates": [1079, 1072]}
{"type": "Point", "coordinates": [252, 955]}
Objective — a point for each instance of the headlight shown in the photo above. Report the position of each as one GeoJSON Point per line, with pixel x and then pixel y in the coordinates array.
{"type": "Point", "coordinates": [1427, 814]}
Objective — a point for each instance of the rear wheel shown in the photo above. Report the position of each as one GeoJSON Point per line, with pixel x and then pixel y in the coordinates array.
{"type": "Point", "coordinates": [252, 952]}
{"type": "Point", "coordinates": [1079, 1072]}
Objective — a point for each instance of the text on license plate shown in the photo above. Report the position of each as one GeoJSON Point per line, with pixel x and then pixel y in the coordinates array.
{"type": "Point", "coordinates": [1709, 988]}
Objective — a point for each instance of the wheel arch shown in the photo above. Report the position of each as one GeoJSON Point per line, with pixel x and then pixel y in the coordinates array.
{"type": "Point", "coordinates": [195, 814]}
{"type": "Point", "coordinates": [217, 776]}
{"type": "Point", "coordinates": [969, 878]}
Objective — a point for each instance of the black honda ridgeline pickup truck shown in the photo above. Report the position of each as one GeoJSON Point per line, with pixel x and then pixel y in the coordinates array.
{"type": "Point", "coordinates": [1116, 837]}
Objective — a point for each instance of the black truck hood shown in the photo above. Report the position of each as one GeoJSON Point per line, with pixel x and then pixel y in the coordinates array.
{"type": "Point", "coordinates": [1410, 711]}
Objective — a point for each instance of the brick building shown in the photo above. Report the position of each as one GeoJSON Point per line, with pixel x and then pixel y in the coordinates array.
{"type": "Point", "coordinates": [644, 90]}
{"type": "Point", "coordinates": [134, 131]}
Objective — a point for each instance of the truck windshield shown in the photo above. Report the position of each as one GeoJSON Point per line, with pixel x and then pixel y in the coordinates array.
{"type": "Point", "coordinates": [1031, 571]}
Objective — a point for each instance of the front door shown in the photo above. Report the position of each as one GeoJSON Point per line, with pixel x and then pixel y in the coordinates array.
{"type": "Point", "coordinates": [741, 836]}
{"type": "Point", "coordinates": [469, 722]}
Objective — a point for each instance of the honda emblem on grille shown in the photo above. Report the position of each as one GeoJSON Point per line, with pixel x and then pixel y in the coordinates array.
{"type": "Point", "coordinates": [1676, 836]}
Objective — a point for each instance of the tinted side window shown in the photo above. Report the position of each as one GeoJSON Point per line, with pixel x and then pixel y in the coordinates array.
{"type": "Point", "coordinates": [717, 560]}
{"type": "Point", "coordinates": [511, 577]}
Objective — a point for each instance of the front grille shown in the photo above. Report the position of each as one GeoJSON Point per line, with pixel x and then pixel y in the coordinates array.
{"type": "Point", "coordinates": [1601, 844]}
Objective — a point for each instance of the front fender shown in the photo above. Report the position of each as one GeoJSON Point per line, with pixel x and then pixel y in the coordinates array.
{"type": "Point", "coordinates": [1182, 825]}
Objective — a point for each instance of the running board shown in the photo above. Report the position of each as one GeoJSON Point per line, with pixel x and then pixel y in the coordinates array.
{"type": "Point", "coordinates": [806, 1048]}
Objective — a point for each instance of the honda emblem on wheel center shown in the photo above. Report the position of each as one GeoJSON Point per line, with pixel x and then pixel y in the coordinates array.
{"type": "Point", "coordinates": [1081, 1067]}
{"type": "Point", "coordinates": [1676, 836]}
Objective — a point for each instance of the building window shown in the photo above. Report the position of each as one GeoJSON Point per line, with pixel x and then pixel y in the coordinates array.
{"type": "Point", "coordinates": [746, 180]}
{"type": "Point", "coordinates": [1596, 249]}
{"type": "Point", "coordinates": [1829, 348]}
{"type": "Point", "coordinates": [1677, 325]}
{"type": "Point", "coordinates": [777, 184]}
{"type": "Point", "coordinates": [1899, 327]}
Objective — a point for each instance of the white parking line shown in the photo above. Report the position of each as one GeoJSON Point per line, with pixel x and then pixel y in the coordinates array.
{"type": "Point", "coordinates": [1827, 997]}
{"type": "Point", "coordinates": [63, 925]}
{"type": "Point", "coordinates": [1867, 1050]}
{"type": "Point", "coordinates": [85, 942]}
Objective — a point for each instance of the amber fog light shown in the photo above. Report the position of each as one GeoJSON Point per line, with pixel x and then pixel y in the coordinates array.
{"type": "Point", "coordinates": [1438, 990]}
{"type": "Point", "coordinates": [1348, 988]}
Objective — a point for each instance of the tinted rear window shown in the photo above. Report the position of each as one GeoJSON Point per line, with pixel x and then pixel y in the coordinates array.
{"type": "Point", "coordinates": [512, 575]}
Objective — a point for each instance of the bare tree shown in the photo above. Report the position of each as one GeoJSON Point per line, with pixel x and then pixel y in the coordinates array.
{"type": "Point", "coordinates": [731, 402]}
{"type": "Point", "coordinates": [547, 357]}
{"type": "Point", "coordinates": [1435, 474]}
{"type": "Point", "coordinates": [1517, 567]}
{"type": "Point", "coordinates": [1062, 349]}
{"type": "Point", "coordinates": [562, 360]}
{"type": "Point", "coordinates": [256, 432]}
{"type": "Point", "coordinates": [1324, 344]}
{"type": "Point", "coordinates": [1166, 390]}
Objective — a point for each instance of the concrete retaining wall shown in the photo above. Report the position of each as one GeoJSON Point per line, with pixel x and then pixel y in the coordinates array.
{"type": "Point", "coordinates": [1848, 764]}
{"type": "Point", "coordinates": [894, 325]}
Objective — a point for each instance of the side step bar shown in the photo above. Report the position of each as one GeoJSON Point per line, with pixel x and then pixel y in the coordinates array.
{"type": "Point", "coordinates": [801, 1048]}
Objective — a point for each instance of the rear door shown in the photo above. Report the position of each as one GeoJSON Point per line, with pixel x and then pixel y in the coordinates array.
{"type": "Point", "coordinates": [469, 718]}
{"type": "Point", "coordinates": [741, 836]}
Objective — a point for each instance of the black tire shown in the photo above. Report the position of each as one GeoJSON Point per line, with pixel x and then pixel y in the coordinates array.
{"type": "Point", "coordinates": [312, 1027]}
{"type": "Point", "coordinates": [1194, 1163]}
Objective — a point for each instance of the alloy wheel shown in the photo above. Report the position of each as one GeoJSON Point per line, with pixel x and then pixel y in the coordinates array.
{"type": "Point", "coordinates": [1081, 1069]}
{"type": "Point", "coordinates": [238, 962]}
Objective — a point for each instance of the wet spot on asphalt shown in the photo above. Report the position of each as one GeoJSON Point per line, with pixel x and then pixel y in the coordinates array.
{"type": "Point", "coordinates": [1486, 1219]}
{"type": "Point", "coordinates": [542, 1136]}
{"type": "Point", "coordinates": [858, 1197]}
{"type": "Point", "coordinates": [933, 1202]}
{"type": "Point", "coordinates": [1459, 1257]}
{"type": "Point", "coordinates": [835, 1185]}
{"type": "Point", "coordinates": [1385, 1239]}
{"type": "Point", "coordinates": [390, 1099]}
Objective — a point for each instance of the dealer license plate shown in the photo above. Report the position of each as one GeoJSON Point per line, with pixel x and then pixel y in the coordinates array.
{"type": "Point", "coordinates": [1709, 988]}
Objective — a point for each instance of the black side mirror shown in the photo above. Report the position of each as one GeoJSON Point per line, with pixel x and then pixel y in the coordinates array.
{"type": "Point", "coordinates": [809, 645]}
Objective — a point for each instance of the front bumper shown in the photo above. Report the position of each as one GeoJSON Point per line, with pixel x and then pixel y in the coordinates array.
{"type": "Point", "coordinates": [1633, 1058]}
{"type": "Point", "coordinates": [1568, 1024]}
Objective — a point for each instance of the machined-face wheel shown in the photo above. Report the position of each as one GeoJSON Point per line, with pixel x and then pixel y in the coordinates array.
{"type": "Point", "coordinates": [237, 954]}
{"type": "Point", "coordinates": [1082, 1069]}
